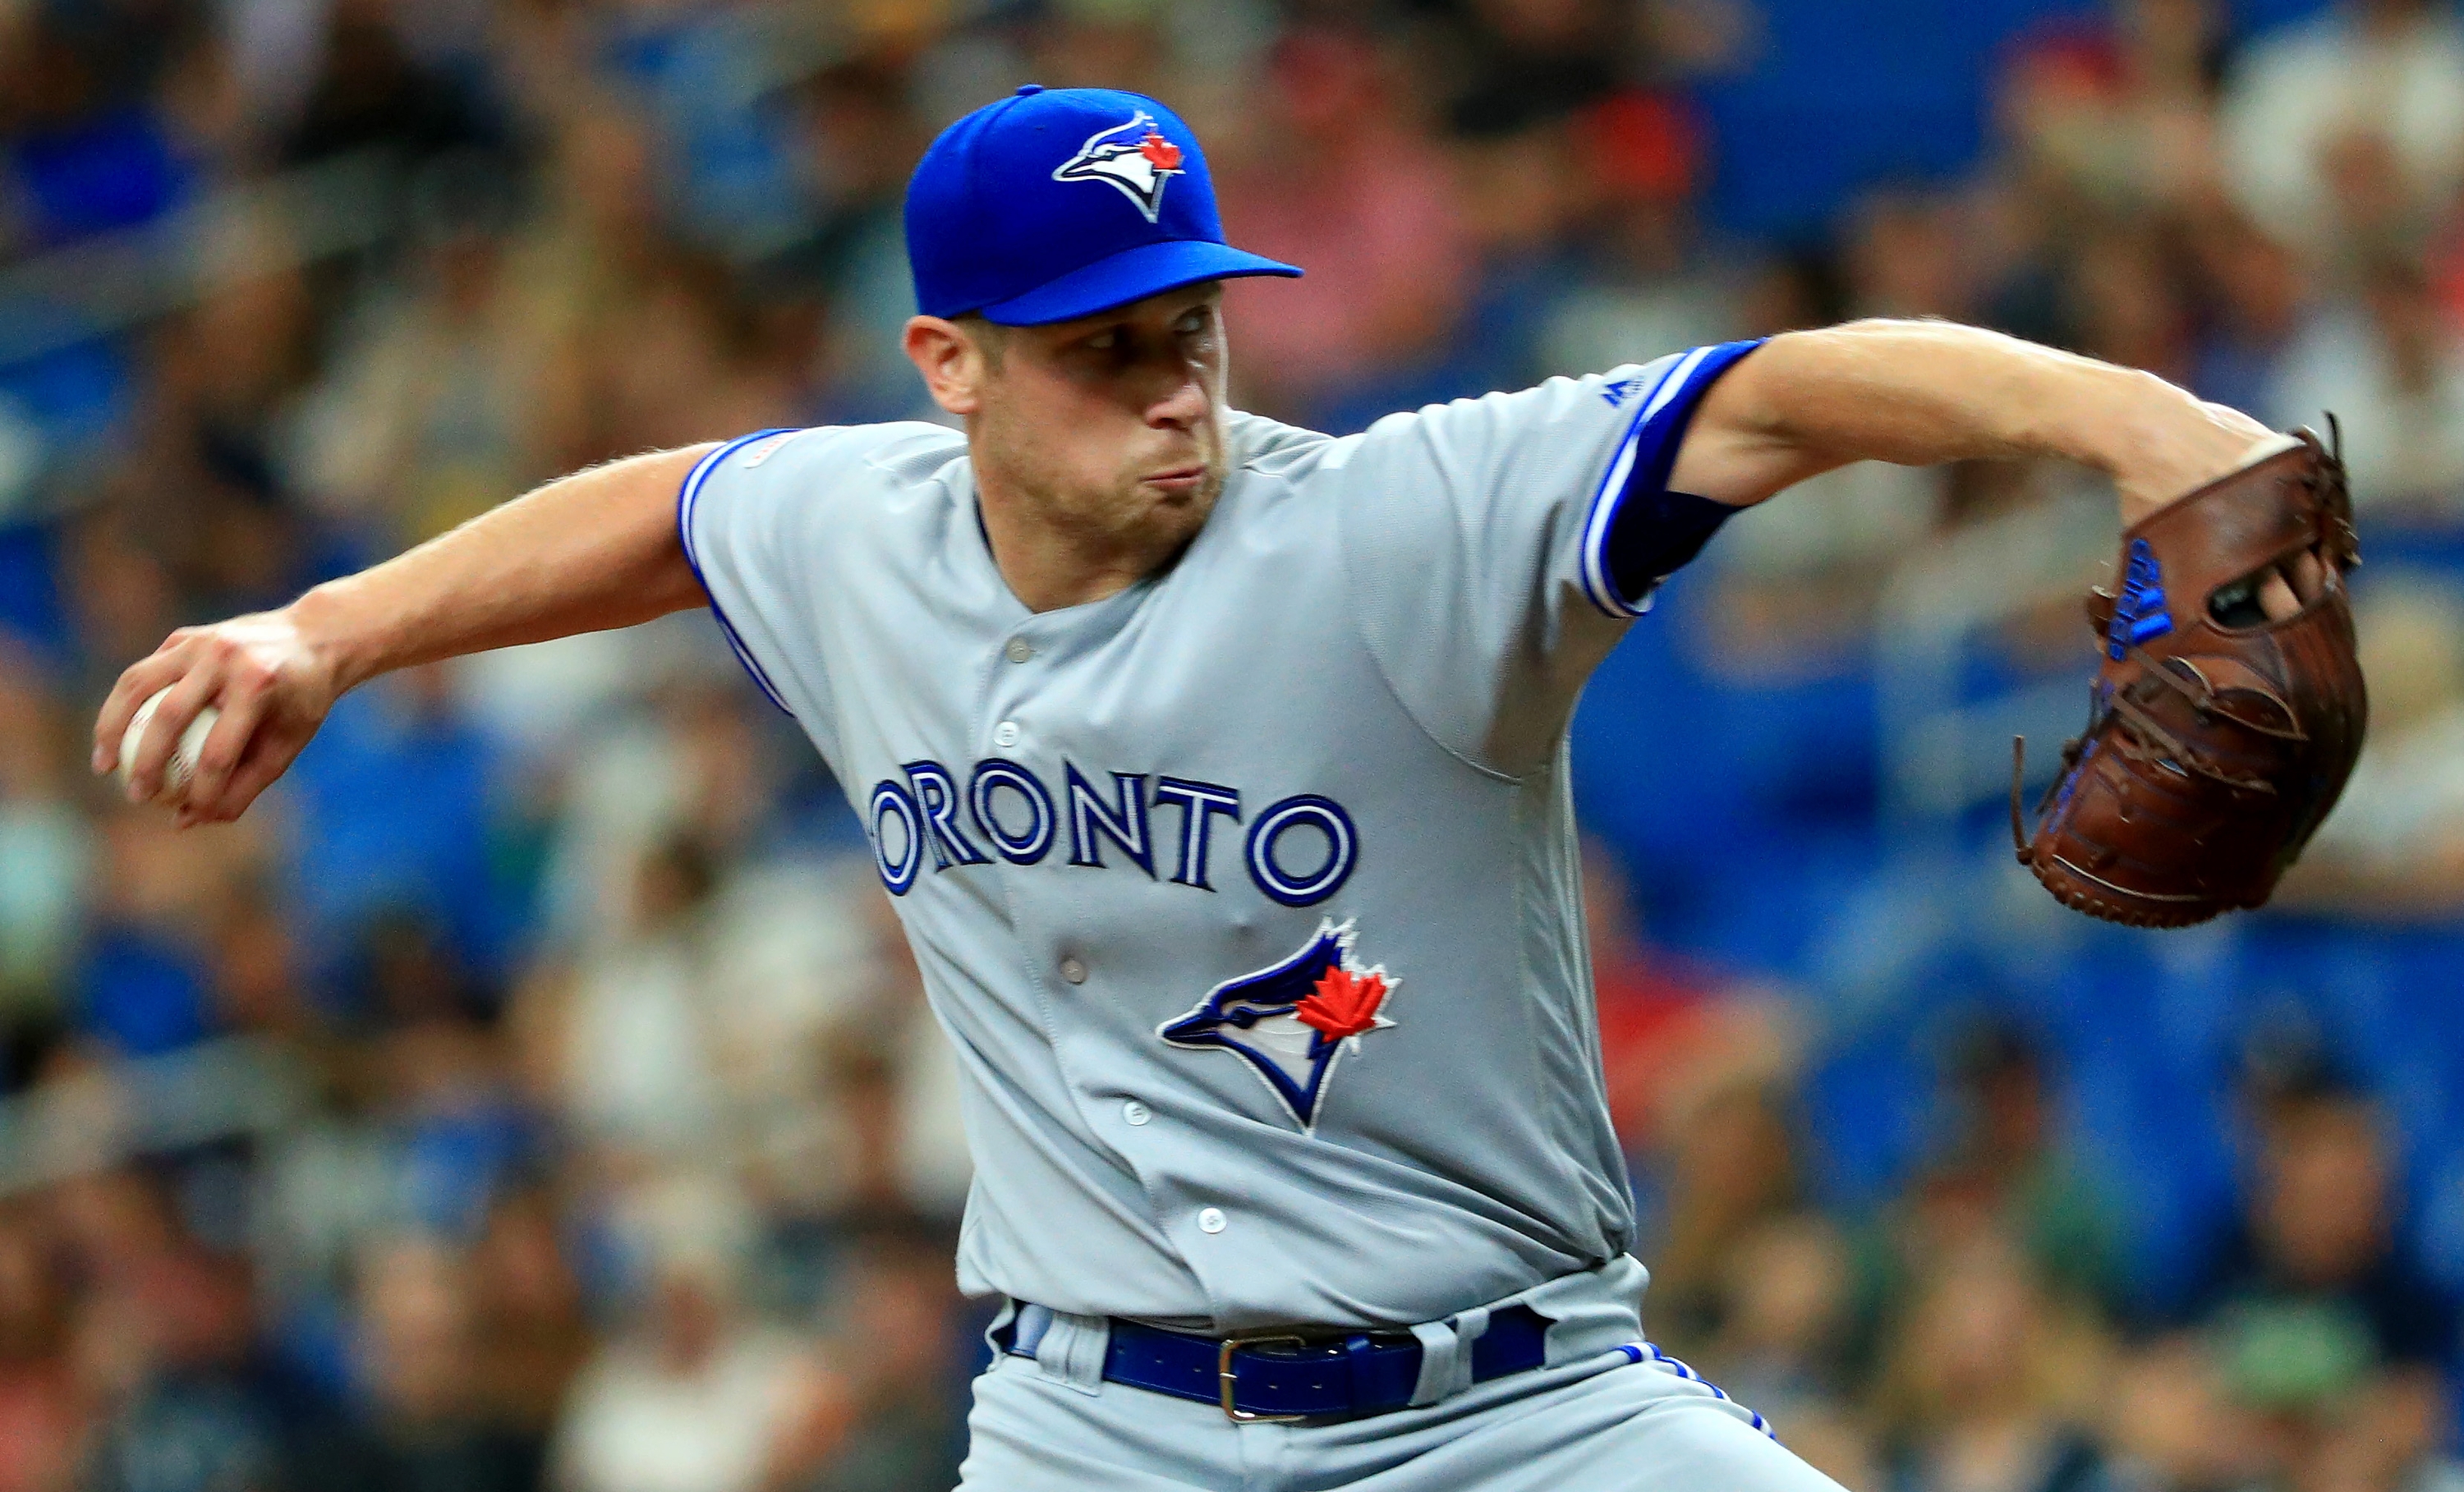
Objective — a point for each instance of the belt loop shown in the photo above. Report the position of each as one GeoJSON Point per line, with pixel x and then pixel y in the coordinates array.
{"type": "Point", "coordinates": [1027, 1332]}
{"type": "Point", "coordinates": [1593, 1310]}
{"type": "Point", "coordinates": [1072, 1350]}
{"type": "Point", "coordinates": [1445, 1355]}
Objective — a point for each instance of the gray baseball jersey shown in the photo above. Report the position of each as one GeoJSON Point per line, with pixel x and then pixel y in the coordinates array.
{"type": "Point", "coordinates": [1248, 896]}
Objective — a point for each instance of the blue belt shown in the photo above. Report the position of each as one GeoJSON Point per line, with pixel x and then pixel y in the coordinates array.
{"type": "Point", "coordinates": [1287, 1377]}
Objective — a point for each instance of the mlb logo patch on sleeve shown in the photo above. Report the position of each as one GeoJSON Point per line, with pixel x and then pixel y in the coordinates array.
{"type": "Point", "coordinates": [1290, 1022]}
{"type": "Point", "coordinates": [763, 450]}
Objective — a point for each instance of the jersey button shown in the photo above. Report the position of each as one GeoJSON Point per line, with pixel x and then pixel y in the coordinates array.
{"type": "Point", "coordinates": [1073, 970]}
{"type": "Point", "coordinates": [1136, 1112]}
{"type": "Point", "coordinates": [1211, 1219]}
{"type": "Point", "coordinates": [1005, 734]}
{"type": "Point", "coordinates": [1018, 650]}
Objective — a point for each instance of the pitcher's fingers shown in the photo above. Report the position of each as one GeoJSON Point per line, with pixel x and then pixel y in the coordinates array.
{"type": "Point", "coordinates": [136, 684]}
{"type": "Point", "coordinates": [2275, 596]}
{"type": "Point", "coordinates": [243, 705]}
{"type": "Point", "coordinates": [268, 751]}
{"type": "Point", "coordinates": [2309, 576]}
{"type": "Point", "coordinates": [196, 690]}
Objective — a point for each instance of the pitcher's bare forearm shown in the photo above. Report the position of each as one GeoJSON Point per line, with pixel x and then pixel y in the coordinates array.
{"type": "Point", "coordinates": [586, 553]}
{"type": "Point", "coordinates": [1920, 392]}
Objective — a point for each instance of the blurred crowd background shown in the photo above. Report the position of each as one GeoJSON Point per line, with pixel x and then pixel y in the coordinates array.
{"type": "Point", "coordinates": [534, 1090]}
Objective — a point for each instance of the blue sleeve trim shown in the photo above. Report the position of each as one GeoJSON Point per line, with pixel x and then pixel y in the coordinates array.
{"type": "Point", "coordinates": [1643, 464]}
{"type": "Point", "coordinates": [687, 496]}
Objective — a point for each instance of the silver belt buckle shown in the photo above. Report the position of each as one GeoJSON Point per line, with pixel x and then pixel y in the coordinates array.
{"type": "Point", "coordinates": [1228, 1380]}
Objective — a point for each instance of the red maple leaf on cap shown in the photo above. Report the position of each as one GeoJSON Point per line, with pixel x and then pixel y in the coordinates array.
{"type": "Point", "coordinates": [1344, 1003]}
{"type": "Point", "coordinates": [1160, 153]}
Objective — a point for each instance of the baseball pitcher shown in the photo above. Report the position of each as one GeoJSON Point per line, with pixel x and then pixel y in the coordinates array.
{"type": "Point", "coordinates": [1217, 769]}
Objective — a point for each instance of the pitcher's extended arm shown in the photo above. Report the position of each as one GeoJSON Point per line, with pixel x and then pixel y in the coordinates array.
{"type": "Point", "coordinates": [583, 553]}
{"type": "Point", "coordinates": [1918, 392]}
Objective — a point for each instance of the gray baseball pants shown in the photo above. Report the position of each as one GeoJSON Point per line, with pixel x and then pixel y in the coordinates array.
{"type": "Point", "coordinates": [1595, 1419]}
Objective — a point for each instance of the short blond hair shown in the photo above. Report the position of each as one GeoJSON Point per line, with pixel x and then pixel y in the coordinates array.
{"type": "Point", "coordinates": [990, 337]}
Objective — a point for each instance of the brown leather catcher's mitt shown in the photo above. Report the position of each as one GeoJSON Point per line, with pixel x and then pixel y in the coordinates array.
{"type": "Point", "coordinates": [2216, 738]}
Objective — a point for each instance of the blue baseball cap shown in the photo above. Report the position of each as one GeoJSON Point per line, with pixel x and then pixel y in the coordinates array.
{"type": "Point", "coordinates": [1058, 203]}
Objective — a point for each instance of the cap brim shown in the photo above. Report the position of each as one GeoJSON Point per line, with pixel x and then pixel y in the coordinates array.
{"type": "Point", "coordinates": [1132, 274]}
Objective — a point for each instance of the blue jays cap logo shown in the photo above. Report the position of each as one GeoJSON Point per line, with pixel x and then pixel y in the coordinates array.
{"type": "Point", "coordinates": [1290, 1022]}
{"type": "Point", "coordinates": [1134, 157]}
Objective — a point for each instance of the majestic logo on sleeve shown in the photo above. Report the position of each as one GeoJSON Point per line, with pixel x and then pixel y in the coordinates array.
{"type": "Point", "coordinates": [1134, 157]}
{"type": "Point", "coordinates": [1292, 1022]}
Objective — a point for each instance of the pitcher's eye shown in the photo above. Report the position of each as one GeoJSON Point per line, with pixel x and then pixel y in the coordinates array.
{"type": "Point", "coordinates": [1104, 341]}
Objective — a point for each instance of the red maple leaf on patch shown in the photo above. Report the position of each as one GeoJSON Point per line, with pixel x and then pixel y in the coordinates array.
{"type": "Point", "coordinates": [1344, 1003]}
{"type": "Point", "coordinates": [1160, 153]}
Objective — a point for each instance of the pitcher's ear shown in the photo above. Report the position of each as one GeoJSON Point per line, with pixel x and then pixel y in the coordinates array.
{"type": "Point", "coordinates": [954, 364]}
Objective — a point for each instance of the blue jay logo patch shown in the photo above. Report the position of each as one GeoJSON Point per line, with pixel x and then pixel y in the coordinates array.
{"type": "Point", "coordinates": [1134, 157]}
{"type": "Point", "coordinates": [1292, 1022]}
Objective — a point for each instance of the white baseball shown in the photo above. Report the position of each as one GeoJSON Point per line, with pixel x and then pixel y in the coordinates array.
{"type": "Point", "coordinates": [183, 764]}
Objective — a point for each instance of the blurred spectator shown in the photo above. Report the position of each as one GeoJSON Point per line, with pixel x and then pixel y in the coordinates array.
{"type": "Point", "coordinates": [635, 1064]}
{"type": "Point", "coordinates": [1994, 1181]}
{"type": "Point", "coordinates": [2115, 121]}
{"type": "Point", "coordinates": [2370, 86]}
{"type": "Point", "coordinates": [896, 1344]}
{"type": "Point", "coordinates": [203, 485]}
{"type": "Point", "coordinates": [431, 412]}
{"type": "Point", "coordinates": [1986, 1383]}
{"type": "Point", "coordinates": [2395, 359]}
{"type": "Point", "coordinates": [389, 813]}
{"type": "Point", "coordinates": [1509, 62]}
{"type": "Point", "coordinates": [703, 977]}
{"type": "Point", "coordinates": [2173, 1423]}
{"type": "Point", "coordinates": [709, 77]}
{"type": "Point", "coordinates": [591, 243]}
{"type": "Point", "coordinates": [696, 359]}
{"type": "Point", "coordinates": [423, 1425]}
{"type": "Point", "coordinates": [457, 1125]}
{"type": "Point", "coordinates": [1782, 1344]}
{"type": "Point", "coordinates": [161, 1346]}
{"type": "Point", "coordinates": [1650, 285]}
{"type": "Point", "coordinates": [2123, 306]}
{"type": "Point", "coordinates": [863, 140]}
{"type": "Point", "coordinates": [1909, 254]}
{"type": "Point", "coordinates": [692, 1395]}
{"type": "Point", "coordinates": [532, 1334]}
{"type": "Point", "coordinates": [2320, 1418]}
{"type": "Point", "coordinates": [1672, 1035]}
{"type": "Point", "coordinates": [45, 842]}
{"type": "Point", "coordinates": [2249, 298]}
{"type": "Point", "coordinates": [2393, 848]}
{"type": "Point", "coordinates": [372, 94]}
{"type": "Point", "coordinates": [2316, 1282]}
{"type": "Point", "coordinates": [1341, 178]}
{"type": "Point", "coordinates": [698, 765]}
{"type": "Point", "coordinates": [86, 146]}
{"type": "Point", "coordinates": [39, 1412]}
{"type": "Point", "coordinates": [2002, 1140]}
{"type": "Point", "coordinates": [145, 980]}
{"type": "Point", "coordinates": [1730, 1166]}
